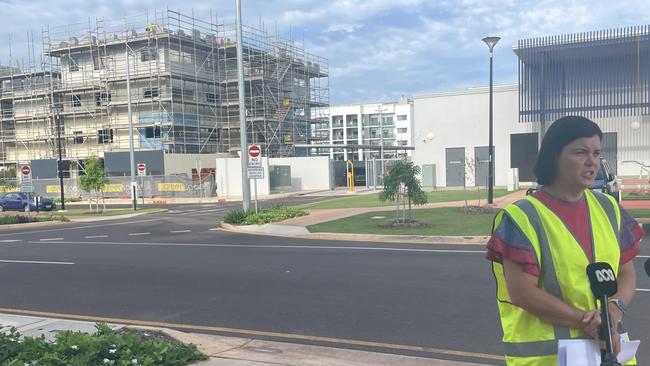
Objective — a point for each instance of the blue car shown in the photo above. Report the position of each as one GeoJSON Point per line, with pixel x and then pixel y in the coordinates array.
{"type": "Point", "coordinates": [23, 201]}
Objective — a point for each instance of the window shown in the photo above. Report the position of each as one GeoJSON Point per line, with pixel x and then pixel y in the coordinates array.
{"type": "Point", "coordinates": [102, 98]}
{"type": "Point", "coordinates": [401, 117]}
{"type": "Point", "coordinates": [151, 93]}
{"type": "Point", "coordinates": [148, 55]}
{"type": "Point", "coordinates": [402, 130]}
{"type": "Point", "coordinates": [79, 138]}
{"type": "Point", "coordinates": [403, 142]}
{"type": "Point", "coordinates": [210, 97]}
{"type": "Point", "coordinates": [75, 100]}
{"type": "Point", "coordinates": [152, 132]}
{"type": "Point", "coordinates": [72, 65]}
{"type": "Point", "coordinates": [105, 136]}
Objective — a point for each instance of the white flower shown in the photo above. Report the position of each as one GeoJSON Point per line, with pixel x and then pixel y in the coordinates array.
{"type": "Point", "coordinates": [74, 346]}
{"type": "Point", "coordinates": [134, 361]}
{"type": "Point", "coordinates": [112, 351]}
{"type": "Point", "coordinates": [26, 364]}
{"type": "Point", "coordinates": [106, 360]}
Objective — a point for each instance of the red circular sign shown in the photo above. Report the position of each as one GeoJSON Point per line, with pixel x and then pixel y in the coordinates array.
{"type": "Point", "coordinates": [25, 169]}
{"type": "Point", "coordinates": [141, 167]}
{"type": "Point", "coordinates": [254, 151]}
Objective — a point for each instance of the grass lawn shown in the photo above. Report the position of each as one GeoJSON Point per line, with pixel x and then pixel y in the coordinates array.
{"type": "Point", "coordinates": [633, 197]}
{"type": "Point", "coordinates": [108, 212]}
{"type": "Point", "coordinates": [440, 221]}
{"type": "Point", "coordinates": [639, 213]}
{"type": "Point", "coordinates": [372, 200]}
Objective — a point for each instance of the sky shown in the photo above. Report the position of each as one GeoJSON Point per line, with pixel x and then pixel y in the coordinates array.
{"type": "Point", "coordinates": [378, 50]}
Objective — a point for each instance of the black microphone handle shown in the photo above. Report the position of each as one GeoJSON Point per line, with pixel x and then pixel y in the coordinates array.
{"type": "Point", "coordinates": [607, 358]}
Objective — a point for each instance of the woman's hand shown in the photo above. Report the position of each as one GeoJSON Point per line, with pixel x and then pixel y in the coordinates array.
{"type": "Point", "coordinates": [590, 322]}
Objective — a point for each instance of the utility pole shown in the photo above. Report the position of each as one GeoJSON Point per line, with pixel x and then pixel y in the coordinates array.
{"type": "Point", "coordinates": [134, 185]}
{"type": "Point", "coordinates": [245, 185]}
{"type": "Point", "coordinates": [57, 118]}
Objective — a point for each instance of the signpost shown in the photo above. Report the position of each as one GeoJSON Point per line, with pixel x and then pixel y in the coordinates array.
{"type": "Point", "coordinates": [26, 182]}
{"type": "Point", "coordinates": [142, 172]}
{"type": "Point", "coordinates": [142, 169]}
{"type": "Point", "coordinates": [255, 169]}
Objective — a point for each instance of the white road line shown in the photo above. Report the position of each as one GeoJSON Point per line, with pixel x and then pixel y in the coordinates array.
{"type": "Point", "coordinates": [180, 231]}
{"type": "Point", "coordinates": [95, 236]}
{"type": "Point", "coordinates": [79, 227]}
{"type": "Point", "coordinates": [216, 229]}
{"type": "Point", "coordinates": [34, 262]}
{"type": "Point", "coordinates": [206, 214]}
{"type": "Point", "coordinates": [9, 240]}
{"type": "Point", "coordinates": [307, 247]}
{"type": "Point", "coordinates": [643, 256]}
{"type": "Point", "coordinates": [138, 234]}
{"type": "Point", "coordinates": [643, 289]}
{"type": "Point", "coordinates": [48, 239]}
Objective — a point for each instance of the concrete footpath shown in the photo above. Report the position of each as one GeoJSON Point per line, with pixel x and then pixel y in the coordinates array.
{"type": "Point", "coordinates": [234, 351]}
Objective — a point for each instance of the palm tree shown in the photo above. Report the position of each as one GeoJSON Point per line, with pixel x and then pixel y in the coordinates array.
{"type": "Point", "coordinates": [401, 182]}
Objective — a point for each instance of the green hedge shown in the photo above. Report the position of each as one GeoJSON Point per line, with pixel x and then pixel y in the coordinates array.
{"type": "Point", "coordinates": [265, 216]}
{"type": "Point", "coordinates": [106, 347]}
{"type": "Point", "coordinates": [23, 219]}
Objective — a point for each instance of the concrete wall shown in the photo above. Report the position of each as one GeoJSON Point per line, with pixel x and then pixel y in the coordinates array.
{"type": "Point", "coordinates": [228, 178]}
{"type": "Point", "coordinates": [184, 163]}
{"type": "Point", "coordinates": [307, 173]}
{"type": "Point", "coordinates": [461, 119]}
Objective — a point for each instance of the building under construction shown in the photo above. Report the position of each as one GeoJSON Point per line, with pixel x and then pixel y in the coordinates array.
{"type": "Point", "coordinates": [183, 90]}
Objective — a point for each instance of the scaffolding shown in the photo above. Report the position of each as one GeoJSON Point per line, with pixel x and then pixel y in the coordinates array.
{"type": "Point", "coordinates": [184, 89]}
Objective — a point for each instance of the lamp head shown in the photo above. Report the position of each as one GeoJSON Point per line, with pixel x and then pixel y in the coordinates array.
{"type": "Point", "coordinates": [491, 41]}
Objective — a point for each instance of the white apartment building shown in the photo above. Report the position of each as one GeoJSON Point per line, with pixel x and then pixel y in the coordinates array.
{"type": "Point", "coordinates": [362, 129]}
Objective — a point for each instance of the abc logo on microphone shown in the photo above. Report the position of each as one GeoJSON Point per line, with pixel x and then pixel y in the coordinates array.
{"type": "Point", "coordinates": [605, 275]}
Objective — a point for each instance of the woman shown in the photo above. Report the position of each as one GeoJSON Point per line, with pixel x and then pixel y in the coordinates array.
{"type": "Point", "coordinates": [542, 244]}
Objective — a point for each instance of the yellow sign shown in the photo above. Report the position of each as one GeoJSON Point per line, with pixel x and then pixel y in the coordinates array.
{"type": "Point", "coordinates": [171, 187]}
{"type": "Point", "coordinates": [114, 188]}
{"type": "Point", "coordinates": [55, 188]}
{"type": "Point", "coordinates": [9, 189]}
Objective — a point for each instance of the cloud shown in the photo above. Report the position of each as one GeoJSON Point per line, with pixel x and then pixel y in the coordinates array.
{"type": "Point", "coordinates": [376, 48]}
{"type": "Point", "coordinates": [345, 28]}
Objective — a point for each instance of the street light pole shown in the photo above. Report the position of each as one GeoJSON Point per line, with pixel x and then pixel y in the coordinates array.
{"type": "Point", "coordinates": [57, 118]}
{"type": "Point", "coordinates": [246, 191]}
{"type": "Point", "coordinates": [491, 42]}
{"type": "Point", "coordinates": [130, 114]}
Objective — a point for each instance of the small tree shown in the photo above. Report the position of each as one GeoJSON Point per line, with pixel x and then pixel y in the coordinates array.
{"type": "Point", "coordinates": [402, 182]}
{"type": "Point", "coordinates": [93, 181]}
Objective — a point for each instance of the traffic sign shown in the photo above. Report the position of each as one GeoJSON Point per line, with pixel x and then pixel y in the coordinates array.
{"type": "Point", "coordinates": [254, 156]}
{"type": "Point", "coordinates": [142, 169]}
{"type": "Point", "coordinates": [255, 172]}
{"type": "Point", "coordinates": [26, 170]}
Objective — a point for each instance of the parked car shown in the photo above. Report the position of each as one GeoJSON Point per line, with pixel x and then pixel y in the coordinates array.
{"type": "Point", "coordinates": [22, 200]}
{"type": "Point", "coordinates": [605, 181]}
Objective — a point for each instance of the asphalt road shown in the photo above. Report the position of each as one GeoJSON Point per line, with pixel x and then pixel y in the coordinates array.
{"type": "Point", "coordinates": [171, 267]}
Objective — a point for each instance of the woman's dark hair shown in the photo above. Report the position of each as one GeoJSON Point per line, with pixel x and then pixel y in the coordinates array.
{"type": "Point", "coordinates": [561, 133]}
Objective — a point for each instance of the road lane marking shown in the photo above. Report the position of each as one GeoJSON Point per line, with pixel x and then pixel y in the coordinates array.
{"type": "Point", "coordinates": [95, 236]}
{"type": "Point", "coordinates": [216, 229]}
{"type": "Point", "coordinates": [288, 336]}
{"type": "Point", "coordinates": [138, 234]}
{"type": "Point", "coordinates": [643, 256]}
{"type": "Point", "coordinates": [180, 231]}
{"type": "Point", "coordinates": [48, 239]}
{"type": "Point", "coordinates": [275, 246]}
{"type": "Point", "coordinates": [34, 262]}
{"type": "Point", "coordinates": [9, 240]}
{"type": "Point", "coordinates": [643, 289]}
{"type": "Point", "coordinates": [79, 227]}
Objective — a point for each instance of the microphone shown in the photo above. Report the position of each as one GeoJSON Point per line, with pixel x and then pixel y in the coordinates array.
{"type": "Point", "coordinates": [647, 267]}
{"type": "Point", "coordinates": [602, 281]}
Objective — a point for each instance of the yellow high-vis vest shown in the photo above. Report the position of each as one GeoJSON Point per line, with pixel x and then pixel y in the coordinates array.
{"type": "Point", "coordinates": [528, 340]}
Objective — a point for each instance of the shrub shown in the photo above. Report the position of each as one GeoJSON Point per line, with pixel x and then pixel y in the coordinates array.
{"type": "Point", "coordinates": [23, 219]}
{"type": "Point", "coordinates": [105, 347]}
{"type": "Point", "coordinates": [264, 216]}
{"type": "Point", "coordinates": [235, 217]}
